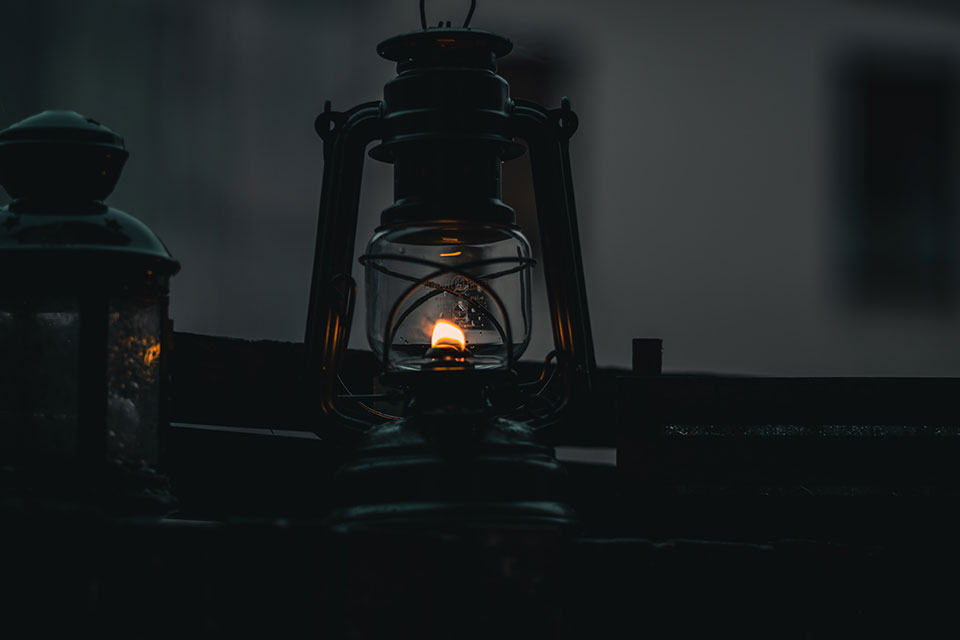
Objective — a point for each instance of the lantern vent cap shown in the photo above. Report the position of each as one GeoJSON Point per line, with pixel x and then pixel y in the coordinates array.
{"type": "Point", "coordinates": [60, 156]}
{"type": "Point", "coordinates": [445, 46]}
{"type": "Point", "coordinates": [58, 166]}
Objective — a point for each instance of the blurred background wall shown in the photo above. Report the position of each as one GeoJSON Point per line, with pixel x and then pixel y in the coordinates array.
{"type": "Point", "coordinates": [771, 187]}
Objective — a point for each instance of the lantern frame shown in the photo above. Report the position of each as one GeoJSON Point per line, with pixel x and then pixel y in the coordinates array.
{"type": "Point", "coordinates": [482, 113]}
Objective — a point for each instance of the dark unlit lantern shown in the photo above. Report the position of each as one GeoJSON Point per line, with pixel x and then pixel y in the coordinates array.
{"type": "Point", "coordinates": [83, 301]}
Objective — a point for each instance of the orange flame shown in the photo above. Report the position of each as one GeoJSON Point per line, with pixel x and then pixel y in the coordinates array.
{"type": "Point", "coordinates": [447, 334]}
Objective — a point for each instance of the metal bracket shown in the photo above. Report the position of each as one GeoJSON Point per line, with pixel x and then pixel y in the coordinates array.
{"type": "Point", "coordinates": [328, 122]}
{"type": "Point", "coordinates": [564, 119]}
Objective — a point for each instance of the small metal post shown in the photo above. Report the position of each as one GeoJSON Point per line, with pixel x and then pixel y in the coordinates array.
{"type": "Point", "coordinates": [647, 356]}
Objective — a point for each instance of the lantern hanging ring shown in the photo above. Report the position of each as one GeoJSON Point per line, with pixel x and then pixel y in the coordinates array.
{"type": "Point", "coordinates": [466, 23]}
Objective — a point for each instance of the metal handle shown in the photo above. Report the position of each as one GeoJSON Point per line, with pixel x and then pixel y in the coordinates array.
{"type": "Point", "coordinates": [466, 23]}
{"type": "Point", "coordinates": [345, 137]}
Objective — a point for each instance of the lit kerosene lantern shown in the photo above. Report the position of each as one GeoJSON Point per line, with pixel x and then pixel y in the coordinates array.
{"type": "Point", "coordinates": [448, 289]}
{"type": "Point", "coordinates": [83, 316]}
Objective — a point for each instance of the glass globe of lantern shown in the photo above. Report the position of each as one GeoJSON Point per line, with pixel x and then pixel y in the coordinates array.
{"type": "Point", "coordinates": [83, 301]}
{"type": "Point", "coordinates": [471, 278]}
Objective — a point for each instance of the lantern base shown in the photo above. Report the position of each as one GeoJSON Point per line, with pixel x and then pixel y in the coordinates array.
{"type": "Point", "coordinates": [452, 472]}
{"type": "Point", "coordinates": [550, 516]}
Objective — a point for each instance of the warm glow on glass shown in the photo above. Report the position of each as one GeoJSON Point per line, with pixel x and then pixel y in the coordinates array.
{"type": "Point", "coordinates": [152, 353]}
{"type": "Point", "coordinates": [446, 334]}
{"type": "Point", "coordinates": [475, 278]}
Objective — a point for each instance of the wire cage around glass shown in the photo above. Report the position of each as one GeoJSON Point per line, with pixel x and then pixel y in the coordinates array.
{"type": "Point", "coordinates": [448, 295]}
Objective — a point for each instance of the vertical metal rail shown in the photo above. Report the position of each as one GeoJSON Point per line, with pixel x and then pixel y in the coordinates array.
{"type": "Point", "coordinates": [547, 134]}
{"type": "Point", "coordinates": [345, 138]}
{"type": "Point", "coordinates": [92, 382]}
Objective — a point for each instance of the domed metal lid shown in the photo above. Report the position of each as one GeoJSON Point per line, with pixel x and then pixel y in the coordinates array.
{"type": "Point", "coordinates": [60, 126]}
{"type": "Point", "coordinates": [57, 166]}
{"type": "Point", "coordinates": [73, 239]}
{"type": "Point", "coordinates": [60, 156]}
{"type": "Point", "coordinates": [449, 46]}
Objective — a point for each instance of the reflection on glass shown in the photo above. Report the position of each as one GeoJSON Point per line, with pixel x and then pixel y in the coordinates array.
{"type": "Point", "coordinates": [133, 379]}
{"type": "Point", "coordinates": [39, 360]}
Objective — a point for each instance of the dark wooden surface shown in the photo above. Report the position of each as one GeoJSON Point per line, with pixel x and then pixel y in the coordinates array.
{"type": "Point", "coordinates": [790, 436]}
{"type": "Point", "coordinates": [748, 507]}
{"type": "Point", "coordinates": [240, 383]}
{"type": "Point", "coordinates": [82, 575]}
{"type": "Point", "coordinates": [705, 399]}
